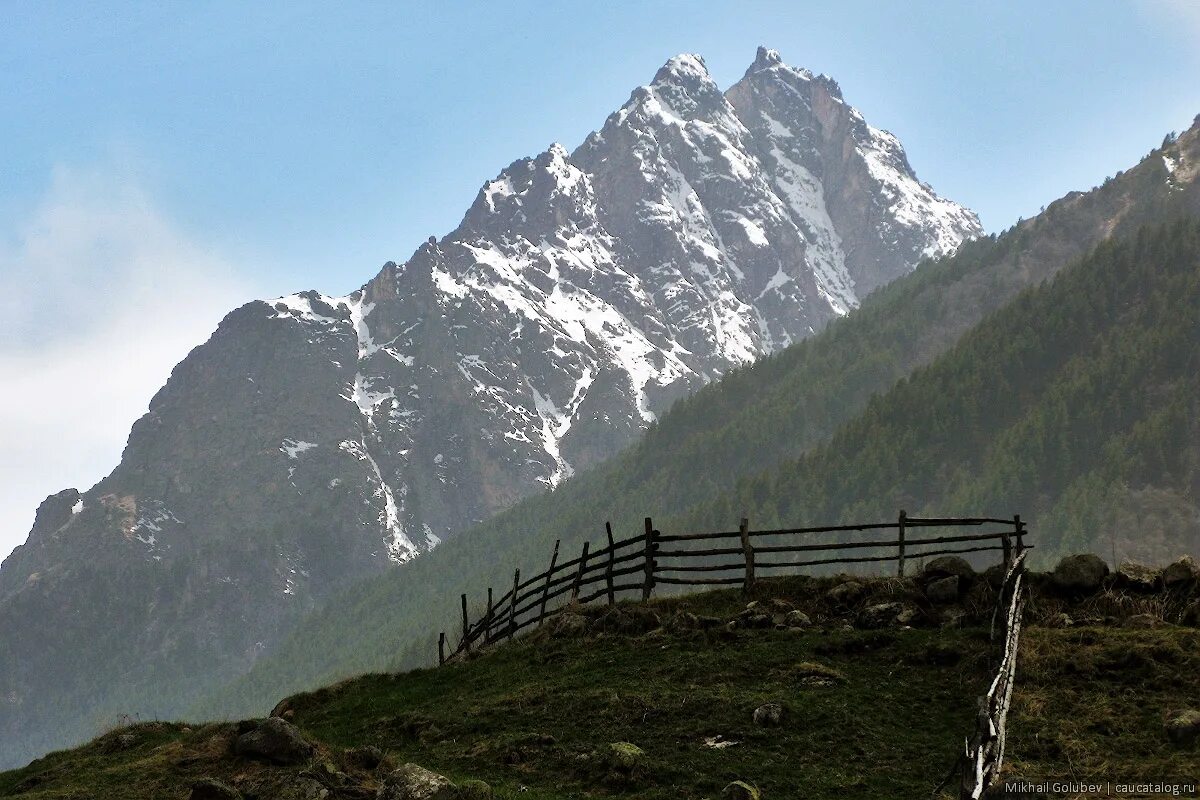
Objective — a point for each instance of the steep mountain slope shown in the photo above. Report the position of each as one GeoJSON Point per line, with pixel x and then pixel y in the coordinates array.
{"type": "Point", "coordinates": [1077, 404]}
{"type": "Point", "coordinates": [314, 440]}
{"type": "Point", "coordinates": [763, 415]}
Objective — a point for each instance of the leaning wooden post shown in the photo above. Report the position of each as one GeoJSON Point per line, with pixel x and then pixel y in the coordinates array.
{"type": "Point", "coordinates": [900, 556]}
{"type": "Point", "coordinates": [579, 572]}
{"type": "Point", "coordinates": [1020, 527]}
{"type": "Point", "coordinates": [512, 604]}
{"type": "Point", "coordinates": [748, 553]}
{"type": "Point", "coordinates": [487, 618]}
{"type": "Point", "coordinates": [466, 642]}
{"type": "Point", "coordinates": [608, 571]}
{"type": "Point", "coordinates": [546, 588]}
{"type": "Point", "coordinates": [648, 583]}
{"type": "Point", "coordinates": [442, 649]}
{"type": "Point", "coordinates": [1006, 543]}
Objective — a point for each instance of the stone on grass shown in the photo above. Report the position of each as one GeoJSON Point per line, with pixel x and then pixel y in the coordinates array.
{"type": "Point", "coordinates": [1183, 728]}
{"type": "Point", "coordinates": [945, 566]}
{"type": "Point", "coordinates": [274, 739]}
{"type": "Point", "coordinates": [796, 619]}
{"type": "Point", "coordinates": [740, 790]}
{"type": "Point", "coordinates": [768, 715]}
{"type": "Point", "coordinates": [1080, 573]}
{"type": "Point", "coordinates": [846, 594]}
{"type": "Point", "coordinates": [1143, 621]}
{"type": "Point", "coordinates": [413, 782]}
{"type": "Point", "coordinates": [368, 757]}
{"type": "Point", "coordinates": [625, 757]}
{"type": "Point", "coordinates": [943, 590]}
{"type": "Point", "coordinates": [880, 615]}
{"type": "Point", "coordinates": [1180, 573]}
{"type": "Point", "coordinates": [1138, 577]}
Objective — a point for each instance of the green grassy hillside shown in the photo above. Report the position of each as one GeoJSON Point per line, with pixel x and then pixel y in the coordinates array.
{"type": "Point", "coordinates": [878, 712]}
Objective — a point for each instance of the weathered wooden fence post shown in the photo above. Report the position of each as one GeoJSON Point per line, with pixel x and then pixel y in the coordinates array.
{"type": "Point", "coordinates": [1006, 543]}
{"type": "Point", "coordinates": [608, 571]}
{"type": "Point", "coordinates": [466, 642]}
{"type": "Point", "coordinates": [487, 618]}
{"type": "Point", "coordinates": [900, 541]}
{"type": "Point", "coordinates": [512, 604]}
{"type": "Point", "coordinates": [582, 568]}
{"type": "Point", "coordinates": [546, 588]}
{"type": "Point", "coordinates": [442, 649]}
{"type": "Point", "coordinates": [1020, 527]}
{"type": "Point", "coordinates": [748, 554]}
{"type": "Point", "coordinates": [648, 584]}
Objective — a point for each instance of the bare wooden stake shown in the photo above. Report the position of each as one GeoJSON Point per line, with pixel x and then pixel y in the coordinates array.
{"type": "Point", "coordinates": [608, 572]}
{"type": "Point", "coordinates": [583, 557]}
{"type": "Point", "coordinates": [900, 555]}
{"type": "Point", "coordinates": [648, 583]}
{"type": "Point", "coordinates": [748, 555]}
{"type": "Point", "coordinates": [466, 628]}
{"type": "Point", "coordinates": [1006, 543]}
{"type": "Point", "coordinates": [512, 604]}
{"type": "Point", "coordinates": [1020, 528]}
{"type": "Point", "coordinates": [546, 588]}
{"type": "Point", "coordinates": [442, 649]}
{"type": "Point", "coordinates": [487, 618]}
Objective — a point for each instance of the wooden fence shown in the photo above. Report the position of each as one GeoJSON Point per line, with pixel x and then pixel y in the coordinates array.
{"type": "Point", "coordinates": [984, 753]}
{"type": "Point", "coordinates": [652, 558]}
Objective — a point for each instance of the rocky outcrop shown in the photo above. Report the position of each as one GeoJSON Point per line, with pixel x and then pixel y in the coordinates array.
{"type": "Point", "coordinates": [1080, 573]}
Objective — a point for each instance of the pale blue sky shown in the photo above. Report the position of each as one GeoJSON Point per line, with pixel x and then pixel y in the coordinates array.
{"type": "Point", "coordinates": [163, 162]}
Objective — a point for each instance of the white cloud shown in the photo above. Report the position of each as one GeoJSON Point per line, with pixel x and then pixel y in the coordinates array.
{"type": "Point", "coordinates": [100, 296]}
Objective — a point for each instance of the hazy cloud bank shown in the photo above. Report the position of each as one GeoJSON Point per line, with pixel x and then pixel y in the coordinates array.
{"type": "Point", "coordinates": [100, 296]}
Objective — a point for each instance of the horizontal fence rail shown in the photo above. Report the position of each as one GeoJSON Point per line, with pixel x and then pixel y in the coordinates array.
{"type": "Point", "coordinates": [641, 562]}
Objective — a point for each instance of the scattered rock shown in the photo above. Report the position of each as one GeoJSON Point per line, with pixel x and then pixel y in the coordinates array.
{"type": "Point", "coordinates": [796, 619]}
{"type": "Point", "coordinates": [626, 757]}
{"type": "Point", "coordinates": [212, 789]}
{"type": "Point", "coordinates": [846, 594]}
{"type": "Point", "coordinates": [1137, 577]}
{"type": "Point", "coordinates": [768, 715]}
{"type": "Point", "coordinates": [943, 590]}
{"type": "Point", "coordinates": [368, 757]}
{"type": "Point", "coordinates": [946, 566]}
{"type": "Point", "coordinates": [1183, 727]}
{"type": "Point", "coordinates": [880, 615]}
{"type": "Point", "coordinates": [740, 790]}
{"type": "Point", "coordinates": [682, 622]}
{"type": "Point", "coordinates": [994, 575]}
{"type": "Point", "coordinates": [780, 606]}
{"type": "Point", "coordinates": [907, 616]}
{"type": "Point", "coordinates": [1180, 573]}
{"type": "Point", "coordinates": [274, 739]}
{"type": "Point", "coordinates": [1080, 573]}
{"type": "Point", "coordinates": [474, 790]}
{"type": "Point", "coordinates": [1143, 621]}
{"type": "Point", "coordinates": [412, 782]}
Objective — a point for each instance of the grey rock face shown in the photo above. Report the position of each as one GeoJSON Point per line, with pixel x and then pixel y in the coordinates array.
{"type": "Point", "coordinates": [413, 782]}
{"type": "Point", "coordinates": [276, 740]}
{"type": "Point", "coordinates": [1080, 573]}
{"type": "Point", "coordinates": [314, 440]}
